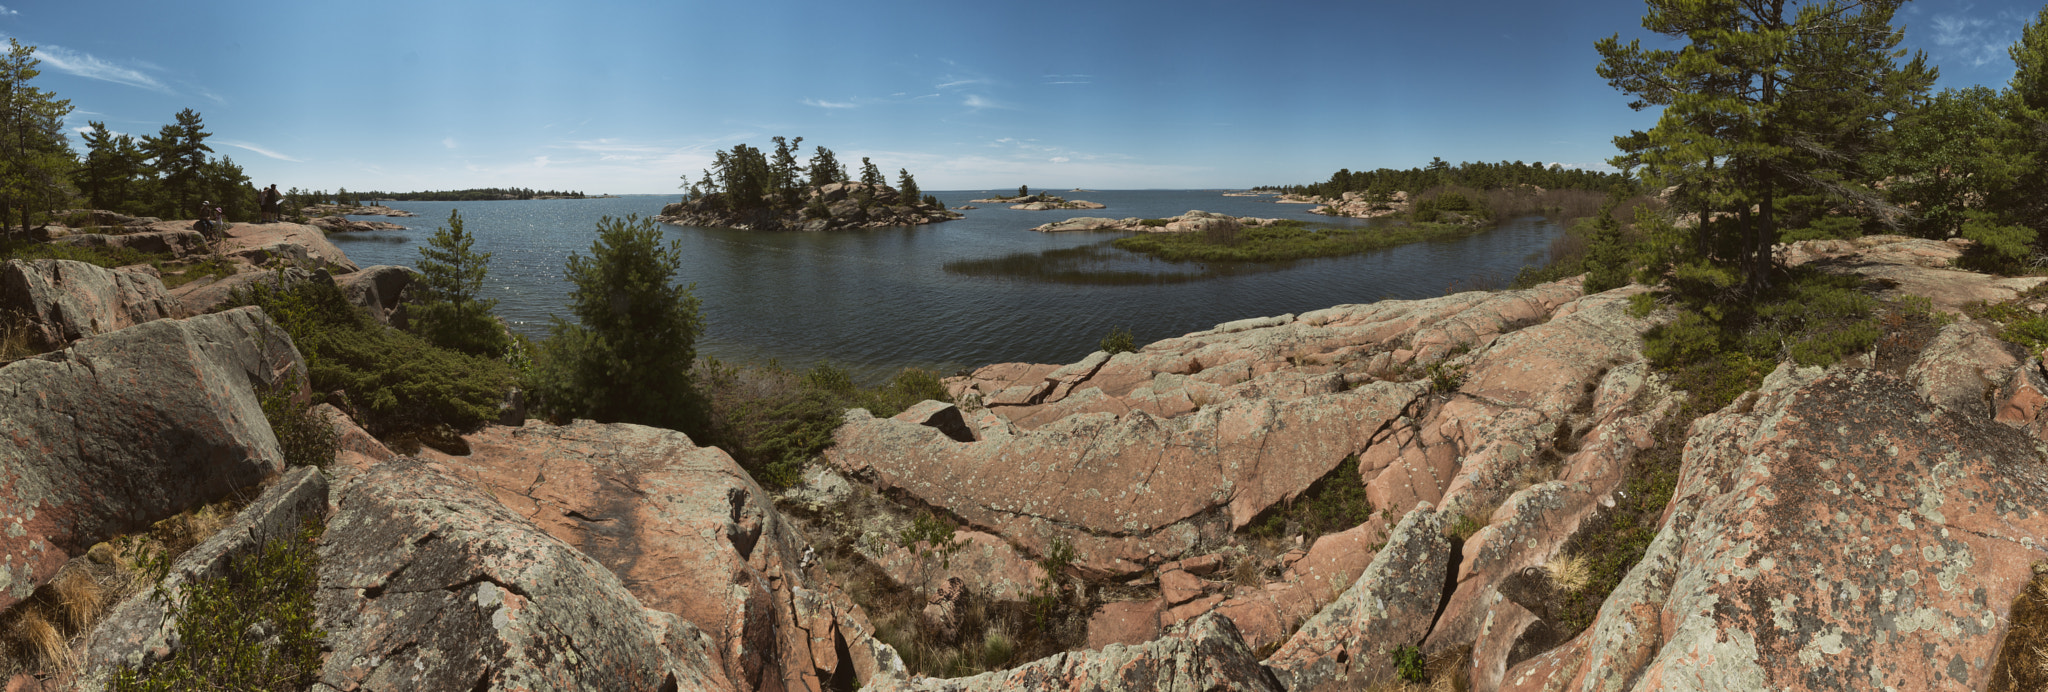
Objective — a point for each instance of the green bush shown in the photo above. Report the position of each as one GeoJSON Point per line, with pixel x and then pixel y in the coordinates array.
{"type": "Point", "coordinates": [773, 421]}
{"type": "Point", "coordinates": [1335, 502]}
{"type": "Point", "coordinates": [1119, 340]}
{"type": "Point", "coordinates": [630, 355]}
{"type": "Point", "coordinates": [250, 629]}
{"type": "Point", "coordinates": [1408, 664]}
{"type": "Point", "coordinates": [397, 381]}
{"type": "Point", "coordinates": [109, 257]}
{"type": "Point", "coordinates": [304, 438]}
{"type": "Point", "coordinates": [1999, 248]}
{"type": "Point", "coordinates": [1282, 242]}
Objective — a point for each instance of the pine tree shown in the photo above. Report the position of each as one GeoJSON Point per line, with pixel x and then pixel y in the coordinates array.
{"type": "Point", "coordinates": [449, 309]}
{"type": "Point", "coordinates": [1759, 105]}
{"type": "Point", "coordinates": [178, 152]}
{"type": "Point", "coordinates": [38, 161]}
{"type": "Point", "coordinates": [907, 186]}
{"type": "Point", "coordinates": [870, 176]}
{"type": "Point", "coordinates": [825, 169]}
{"type": "Point", "coordinates": [628, 358]}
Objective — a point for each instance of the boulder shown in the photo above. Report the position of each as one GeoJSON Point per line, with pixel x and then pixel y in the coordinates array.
{"type": "Point", "coordinates": [1831, 530]}
{"type": "Point", "coordinates": [319, 252]}
{"type": "Point", "coordinates": [688, 532]}
{"type": "Point", "coordinates": [284, 254]}
{"type": "Point", "coordinates": [377, 288]}
{"type": "Point", "coordinates": [65, 301]}
{"type": "Point", "coordinates": [176, 244]}
{"type": "Point", "coordinates": [428, 582]}
{"type": "Point", "coordinates": [1909, 266]}
{"type": "Point", "coordinates": [141, 631]}
{"type": "Point", "coordinates": [127, 428]}
{"type": "Point", "coordinates": [1350, 644]}
{"type": "Point", "coordinates": [1961, 368]}
{"type": "Point", "coordinates": [1136, 488]}
{"type": "Point", "coordinates": [1207, 655]}
{"type": "Point", "coordinates": [205, 295]}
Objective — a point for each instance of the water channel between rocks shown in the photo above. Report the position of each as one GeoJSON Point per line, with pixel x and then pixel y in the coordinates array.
{"type": "Point", "coordinates": [878, 300]}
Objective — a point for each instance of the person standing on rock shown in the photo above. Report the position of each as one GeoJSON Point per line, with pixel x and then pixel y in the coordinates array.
{"type": "Point", "coordinates": [269, 204]}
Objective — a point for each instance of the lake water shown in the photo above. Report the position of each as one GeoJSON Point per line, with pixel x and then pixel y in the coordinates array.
{"type": "Point", "coordinates": [883, 299]}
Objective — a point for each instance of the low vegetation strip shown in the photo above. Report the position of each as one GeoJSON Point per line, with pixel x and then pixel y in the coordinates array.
{"type": "Point", "coordinates": [1285, 241]}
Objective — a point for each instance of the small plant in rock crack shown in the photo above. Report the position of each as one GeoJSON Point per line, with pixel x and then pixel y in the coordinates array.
{"type": "Point", "coordinates": [930, 539]}
{"type": "Point", "coordinates": [1408, 663]}
{"type": "Point", "coordinates": [1045, 602]}
{"type": "Point", "coordinates": [1446, 377]}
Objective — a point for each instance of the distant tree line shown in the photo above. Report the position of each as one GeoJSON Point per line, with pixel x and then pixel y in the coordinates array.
{"type": "Point", "coordinates": [165, 175]}
{"type": "Point", "coordinates": [471, 195]}
{"type": "Point", "coordinates": [1475, 175]}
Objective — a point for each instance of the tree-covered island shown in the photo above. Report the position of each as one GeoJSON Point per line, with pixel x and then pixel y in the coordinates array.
{"type": "Point", "coordinates": [750, 190]}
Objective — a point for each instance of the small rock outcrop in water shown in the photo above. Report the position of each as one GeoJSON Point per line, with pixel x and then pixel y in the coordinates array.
{"type": "Point", "coordinates": [832, 207]}
{"type": "Point", "coordinates": [1196, 221]}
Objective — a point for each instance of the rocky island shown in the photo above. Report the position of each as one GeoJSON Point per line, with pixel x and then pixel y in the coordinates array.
{"type": "Point", "coordinates": [1041, 202]}
{"type": "Point", "coordinates": [831, 207]}
{"type": "Point", "coordinates": [750, 190]}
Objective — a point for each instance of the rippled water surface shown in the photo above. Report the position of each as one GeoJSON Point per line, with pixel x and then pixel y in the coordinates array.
{"type": "Point", "coordinates": [882, 299]}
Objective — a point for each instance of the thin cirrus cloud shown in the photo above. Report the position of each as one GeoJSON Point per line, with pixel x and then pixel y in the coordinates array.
{"type": "Point", "coordinates": [1975, 40]}
{"type": "Point", "coordinates": [1068, 79]}
{"type": "Point", "coordinates": [979, 102]}
{"type": "Point", "coordinates": [830, 105]}
{"type": "Point", "coordinates": [93, 67]}
{"type": "Point", "coordinates": [4, 12]}
{"type": "Point", "coordinates": [261, 150]}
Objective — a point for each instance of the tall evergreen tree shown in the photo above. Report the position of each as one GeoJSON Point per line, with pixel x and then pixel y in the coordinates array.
{"type": "Point", "coordinates": [112, 164]}
{"type": "Point", "coordinates": [825, 168]}
{"type": "Point", "coordinates": [787, 174]}
{"type": "Point", "coordinates": [907, 186]}
{"type": "Point", "coordinates": [1759, 103]}
{"type": "Point", "coordinates": [450, 310]}
{"type": "Point", "coordinates": [37, 163]}
{"type": "Point", "coordinates": [2029, 113]}
{"type": "Point", "coordinates": [178, 152]}
{"type": "Point", "coordinates": [869, 174]}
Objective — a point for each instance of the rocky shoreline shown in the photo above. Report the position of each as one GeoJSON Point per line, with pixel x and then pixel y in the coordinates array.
{"type": "Point", "coordinates": [1880, 516]}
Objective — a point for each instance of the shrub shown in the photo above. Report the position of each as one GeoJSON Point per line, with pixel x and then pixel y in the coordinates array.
{"type": "Point", "coordinates": [772, 420]}
{"type": "Point", "coordinates": [109, 257]}
{"type": "Point", "coordinates": [1408, 663]}
{"type": "Point", "coordinates": [630, 355]}
{"type": "Point", "coordinates": [1119, 340]}
{"type": "Point", "coordinates": [1335, 502]}
{"type": "Point", "coordinates": [250, 629]}
{"type": "Point", "coordinates": [305, 438]}
{"type": "Point", "coordinates": [1999, 248]}
{"type": "Point", "coordinates": [397, 381]}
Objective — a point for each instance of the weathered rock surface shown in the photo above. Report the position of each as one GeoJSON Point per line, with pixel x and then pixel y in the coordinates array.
{"type": "Point", "coordinates": [66, 301]}
{"type": "Point", "coordinates": [176, 243]}
{"type": "Point", "coordinates": [1831, 531]}
{"type": "Point", "coordinates": [428, 583]}
{"type": "Point", "coordinates": [127, 428]}
{"type": "Point", "coordinates": [319, 252]}
{"type": "Point", "coordinates": [1205, 656]}
{"type": "Point", "coordinates": [207, 293]}
{"type": "Point", "coordinates": [1909, 266]}
{"type": "Point", "coordinates": [688, 532]}
{"type": "Point", "coordinates": [354, 210]}
{"type": "Point", "coordinates": [340, 224]}
{"type": "Point", "coordinates": [1350, 644]}
{"type": "Point", "coordinates": [139, 631]}
{"type": "Point", "coordinates": [1060, 204]}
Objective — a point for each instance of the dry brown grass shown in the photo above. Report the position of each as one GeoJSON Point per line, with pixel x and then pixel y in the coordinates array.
{"type": "Point", "coordinates": [38, 640]}
{"type": "Point", "coordinates": [1569, 572]}
{"type": "Point", "coordinates": [2023, 656]}
{"type": "Point", "coordinates": [16, 338]}
{"type": "Point", "coordinates": [79, 597]}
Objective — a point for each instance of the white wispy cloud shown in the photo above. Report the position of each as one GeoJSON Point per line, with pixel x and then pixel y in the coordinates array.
{"type": "Point", "coordinates": [979, 102]}
{"type": "Point", "coordinates": [449, 142]}
{"type": "Point", "coordinates": [1977, 41]}
{"type": "Point", "coordinates": [1068, 79]}
{"type": "Point", "coordinates": [820, 103]}
{"type": "Point", "coordinates": [953, 82]}
{"type": "Point", "coordinates": [92, 67]}
{"type": "Point", "coordinates": [260, 150]}
{"type": "Point", "coordinates": [4, 12]}
{"type": "Point", "coordinates": [1059, 159]}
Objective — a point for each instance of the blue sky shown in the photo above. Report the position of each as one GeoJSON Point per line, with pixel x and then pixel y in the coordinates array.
{"type": "Point", "coordinates": [624, 97]}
